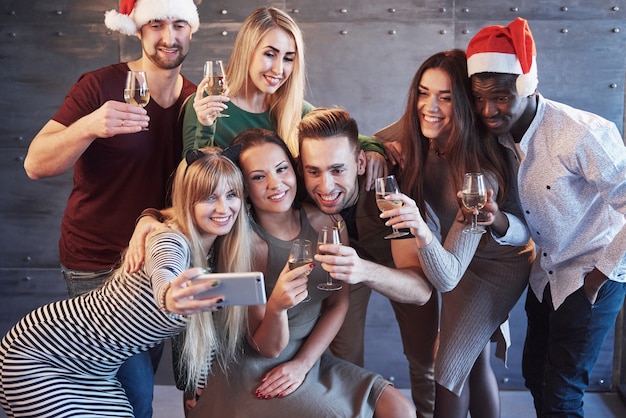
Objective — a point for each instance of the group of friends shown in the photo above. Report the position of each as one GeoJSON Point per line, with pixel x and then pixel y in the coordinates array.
{"type": "Point", "coordinates": [226, 184]}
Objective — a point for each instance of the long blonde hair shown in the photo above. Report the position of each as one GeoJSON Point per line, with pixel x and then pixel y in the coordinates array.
{"type": "Point", "coordinates": [223, 331]}
{"type": "Point", "coordinates": [286, 104]}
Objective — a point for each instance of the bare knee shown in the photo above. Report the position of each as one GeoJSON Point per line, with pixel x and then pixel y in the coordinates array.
{"type": "Point", "coordinates": [393, 404]}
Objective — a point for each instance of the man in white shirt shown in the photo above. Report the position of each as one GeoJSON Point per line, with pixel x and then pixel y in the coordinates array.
{"type": "Point", "coordinates": [572, 190]}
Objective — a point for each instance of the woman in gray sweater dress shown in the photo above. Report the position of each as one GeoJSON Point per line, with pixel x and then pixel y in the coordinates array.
{"type": "Point", "coordinates": [480, 277]}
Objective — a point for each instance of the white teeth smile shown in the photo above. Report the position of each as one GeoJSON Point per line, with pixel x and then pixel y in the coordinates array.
{"type": "Point", "coordinates": [224, 219]}
{"type": "Point", "coordinates": [278, 196]}
{"type": "Point", "coordinates": [432, 119]}
{"type": "Point", "coordinates": [329, 197]}
{"type": "Point", "coordinates": [273, 80]}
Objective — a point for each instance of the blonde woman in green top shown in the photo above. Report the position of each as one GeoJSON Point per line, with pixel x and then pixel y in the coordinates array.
{"type": "Point", "coordinates": [266, 80]}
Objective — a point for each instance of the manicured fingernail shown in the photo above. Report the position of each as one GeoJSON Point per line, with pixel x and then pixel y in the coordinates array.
{"type": "Point", "coordinates": [215, 283]}
{"type": "Point", "coordinates": [205, 271]}
{"type": "Point", "coordinates": [312, 265]}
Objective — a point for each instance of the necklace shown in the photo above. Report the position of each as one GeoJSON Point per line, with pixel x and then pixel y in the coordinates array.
{"type": "Point", "coordinates": [339, 222]}
{"type": "Point", "coordinates": [435, 149]}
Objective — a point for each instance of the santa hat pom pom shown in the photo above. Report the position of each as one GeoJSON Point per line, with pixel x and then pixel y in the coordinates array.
{"type": "Point", "coordinates": [120, 22]}
{"type": "Point", "coordinates": [526, 84]}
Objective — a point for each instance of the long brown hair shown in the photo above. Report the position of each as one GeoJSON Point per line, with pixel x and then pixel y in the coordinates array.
{"type": "Point", "coordinates": [470, 148]}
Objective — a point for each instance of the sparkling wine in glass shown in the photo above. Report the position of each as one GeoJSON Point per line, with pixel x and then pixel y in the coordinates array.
{"type": "Point", "coordinates": [474, 198]}
{"type": "Point", "coordinates": [136, 91]}
{"type": "Point", "coordinates": [216, 86]}
{"type": "Point", "coordinates": [386, 186]}
{"type": "Point", "coordinates": [301, 254]}
{"type": "Point", "coordinates": [328, 236]}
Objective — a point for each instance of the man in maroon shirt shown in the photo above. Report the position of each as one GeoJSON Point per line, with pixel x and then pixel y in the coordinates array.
{"type": "Point", "coordinates": [119, 168]}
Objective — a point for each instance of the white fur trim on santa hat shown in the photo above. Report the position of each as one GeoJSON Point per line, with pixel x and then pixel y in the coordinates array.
{"type": "Point", "coordinates": [526, 84]}
{"type": "Point", "coordinates": [148, 10]}
{"type": "Point", "coordinates": [499, 62]}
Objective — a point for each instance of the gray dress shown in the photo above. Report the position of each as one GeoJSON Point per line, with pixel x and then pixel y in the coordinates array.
{"type": "Point", "coordinates": [477, 309]}
{"type": "Point", "coordinates": [332, 388]}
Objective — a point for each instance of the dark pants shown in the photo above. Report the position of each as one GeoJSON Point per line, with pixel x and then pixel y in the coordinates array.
{"type": "Point", "coordinates": [562, 346]}
{"type": "Point", "coordinates": [136, 374]}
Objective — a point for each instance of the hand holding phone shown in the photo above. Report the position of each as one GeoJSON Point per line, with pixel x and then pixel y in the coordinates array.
{"type": "Point", "coordinates": [239, 289]}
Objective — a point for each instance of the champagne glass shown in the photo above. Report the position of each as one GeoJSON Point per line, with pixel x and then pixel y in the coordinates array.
{"type": "Point", "coordinates": [474, 198]}
{"type": "Point", "coordinates": [136, 91]}
{"type": "Point", "coordinates": [386, 186]}
{"type": "Point", "coordinates": [301, 254]}
{"type": "Point", "coordinates": [216, 86]}
{"type": "Point", "coordinates": [328, 236]}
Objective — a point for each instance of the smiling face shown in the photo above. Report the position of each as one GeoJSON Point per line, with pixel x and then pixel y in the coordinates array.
{"type": "Point", "coordinates": [271, 63]}
{"type": "Point", "coordinates": [165, 42]}
{"type": "Point", "coordinates": [269, 177]}
{"type": "Point", "coordinates": [434, 104]}
{"type": "Point", "coordinates": [216, 214]}
{"type": "Point", "coordinates": [331, 168]}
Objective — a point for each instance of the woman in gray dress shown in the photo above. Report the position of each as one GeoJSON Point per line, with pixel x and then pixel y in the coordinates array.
{"type": "Point", "coordinates": [287, 369]}
{"type": "Point", "coordinates": [480, 277]}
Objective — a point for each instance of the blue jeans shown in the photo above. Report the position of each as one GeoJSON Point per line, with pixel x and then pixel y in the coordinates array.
{"type": "Point", "coordinates": [562, 346]}
{"type": "Point", "coordinates": [136, 374]}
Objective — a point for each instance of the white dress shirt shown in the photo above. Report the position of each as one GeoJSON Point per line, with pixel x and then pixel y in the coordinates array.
{"type": "Point", "coordinates": [572, 190]}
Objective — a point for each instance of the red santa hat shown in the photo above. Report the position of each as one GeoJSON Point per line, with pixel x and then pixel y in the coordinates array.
{"type": "Point", "coordinates": [505, 49]}
{"type": "Point", "coordinates": [134, 14]}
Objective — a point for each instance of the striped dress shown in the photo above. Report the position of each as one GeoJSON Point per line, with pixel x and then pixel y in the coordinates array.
{"type": "Point", "coordinates": [61, 359]}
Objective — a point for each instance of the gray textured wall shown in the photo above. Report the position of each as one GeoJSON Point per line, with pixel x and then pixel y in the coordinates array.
{"type": "Point", "coordinates": [361, 55]}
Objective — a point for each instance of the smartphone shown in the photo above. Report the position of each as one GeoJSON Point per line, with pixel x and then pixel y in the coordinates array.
{"type": "Point", "coordinates": [238, 289]}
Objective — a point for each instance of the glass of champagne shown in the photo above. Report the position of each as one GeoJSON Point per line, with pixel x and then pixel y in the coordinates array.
{"type": "Point", "coordinates": [216, 86]}
{"type": "Point", "coordinates": [474, 198]}
{"type": "Point", "coordinates": [136, 91]}
{"type": "Point", "coordinates": [386, 186]}
{"type": "Point", "coordinates": [328, 236]}
{"type": "Point", "coordinates": [301, 254]}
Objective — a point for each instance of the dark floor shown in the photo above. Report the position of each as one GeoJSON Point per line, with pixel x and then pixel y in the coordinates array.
{"type": "Point", "coordinates": [383, 354]}
{"type": "Point", "coordinates": [515, 404]}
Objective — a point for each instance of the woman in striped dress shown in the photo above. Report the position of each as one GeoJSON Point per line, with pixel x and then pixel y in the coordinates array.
{"type": "Point", "coordinates": [61, 359]}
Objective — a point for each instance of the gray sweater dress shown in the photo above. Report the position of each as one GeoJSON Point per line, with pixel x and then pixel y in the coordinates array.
{"type": "Point", "coordinates": [476, 310]}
